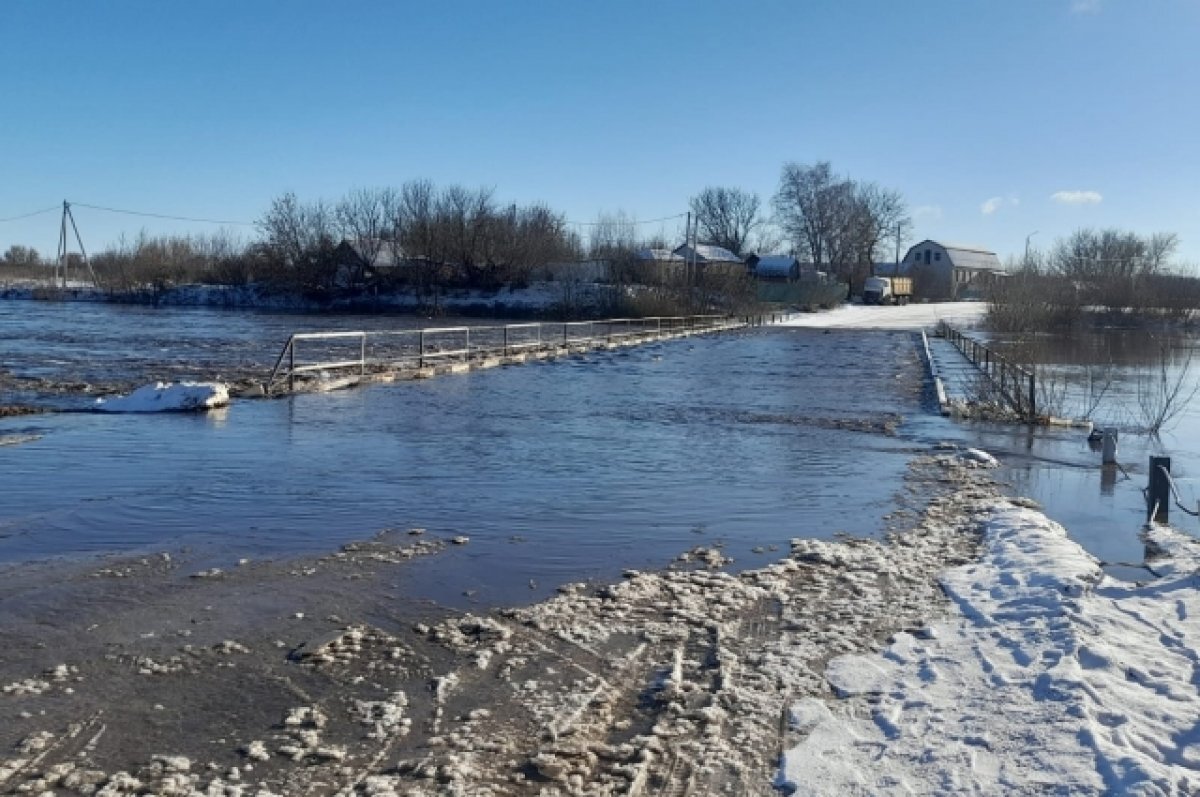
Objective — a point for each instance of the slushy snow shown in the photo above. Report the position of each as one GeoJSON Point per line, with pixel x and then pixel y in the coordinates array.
{"type": "Point", "coordinates": [910, 316]}
{"type": "Point", "coordinates": [1050, 678]}
{"type": "Point", "coordinates": [168, 397]}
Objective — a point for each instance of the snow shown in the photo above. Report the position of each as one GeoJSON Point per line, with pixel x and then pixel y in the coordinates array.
{"type": "Point", "coordinates": [168, 397]}
{"type": "Point", "coordinates": [1050, 677]}
{"type": "Point", "coordinates": [910, 316]}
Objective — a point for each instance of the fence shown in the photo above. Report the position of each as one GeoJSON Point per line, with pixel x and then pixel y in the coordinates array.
{"type": "Point", "coordinates": [362, 352]}
{"type": "Point", "coordinates": [1016, 384]}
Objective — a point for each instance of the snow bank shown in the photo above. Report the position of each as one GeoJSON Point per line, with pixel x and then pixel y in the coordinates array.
{"type": "Point", "coordinates": [168, 397]}
{"type": "Point", "coordinates": [911, 316]}
{"type": "Point", "coordinates": [1052, 677]}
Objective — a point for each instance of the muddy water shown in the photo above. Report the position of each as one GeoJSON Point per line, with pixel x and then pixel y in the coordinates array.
{"type": "Point", "coordinates": [556, 472]}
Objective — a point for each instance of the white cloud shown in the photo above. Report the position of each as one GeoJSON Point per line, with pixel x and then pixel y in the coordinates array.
{"type": "Point", "coordinates": [932, 212]}
{"type": "Point", "coordinates": [995, 203]}
{"type": "Point", "coordinates": [1085, 6]}
{"type": "Point", "coordinates": [1077, 197]}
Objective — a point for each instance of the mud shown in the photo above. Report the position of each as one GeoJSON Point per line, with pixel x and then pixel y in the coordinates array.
{"type": "Point", "coordinates": [157, 675]}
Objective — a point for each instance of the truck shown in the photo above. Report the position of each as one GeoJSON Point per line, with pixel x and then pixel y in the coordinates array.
{"type": "Point", "coordinates": [887, 290]}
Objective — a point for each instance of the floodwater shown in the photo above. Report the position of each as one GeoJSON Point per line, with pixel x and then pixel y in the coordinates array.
{"type": "Point", "coordinates": [45, 345]}
{"type": "Point", "coordinates": [1116, 378]}
{"type": "Point", "coordinates": [556, 471]}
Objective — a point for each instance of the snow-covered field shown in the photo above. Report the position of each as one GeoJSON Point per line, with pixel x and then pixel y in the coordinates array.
{"type": "Point", "coordinates": [911, 316]}
{"type": "Point", "coordinates": [1052, 678]}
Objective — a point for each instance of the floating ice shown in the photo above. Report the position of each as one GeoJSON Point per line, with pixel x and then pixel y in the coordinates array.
{"type": "Point", "coordinates": [168, 397]}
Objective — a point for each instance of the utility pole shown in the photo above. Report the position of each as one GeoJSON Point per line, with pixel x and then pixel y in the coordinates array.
{"type": "Point", "coordinates": [60, 275]}
{"type": "Point", "coordinates": [64, 247]}
{"type": "Point", "coordinates": [896, 268]}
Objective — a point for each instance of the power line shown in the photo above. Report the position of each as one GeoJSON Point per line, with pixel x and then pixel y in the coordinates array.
{"type": "Point", "coordinates": [617, 221]}
{"type": "Point", "coordinates": [163, 215]}
{"type": "Point", "coordinates": [28, 215]}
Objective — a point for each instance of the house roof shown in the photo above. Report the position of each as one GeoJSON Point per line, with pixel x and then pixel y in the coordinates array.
{"type": "Point", "coordinates": [657, 255]}
{"type": "Point", "coordinates": [779, 265]}
{"type": "Point", "coordinates": [709, 253]}
{"type": "Point", "coordinates": [387, 256]}
{"type": "Point", "coordinates": [964, 255]}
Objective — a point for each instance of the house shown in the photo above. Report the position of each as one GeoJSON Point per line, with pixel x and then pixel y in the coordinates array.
{"type": "Point", "coordinates": [781, 268]}
{"type": "Point", "coordinates": [949, 271]}
{"type": "Point", "coordinates": [652, 266]}
{"type": "Point", "coordinates": [715, 261]}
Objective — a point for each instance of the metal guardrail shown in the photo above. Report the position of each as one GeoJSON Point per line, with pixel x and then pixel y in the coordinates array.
{"type": "Point", "coordinates": [1016, 384]}
{"type": "Point", "coordinates": [391, 350]}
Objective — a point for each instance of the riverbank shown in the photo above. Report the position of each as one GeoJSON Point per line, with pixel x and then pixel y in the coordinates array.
{"type": "Point", "coordinates": [313, 677]}
{"type": "Point", "coordinates": [539, 300]}
{"type": "Point", "coordinates": [847, 658]}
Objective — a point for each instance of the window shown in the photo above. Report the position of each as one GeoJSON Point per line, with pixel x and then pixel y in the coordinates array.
{"type": "Point", "coordinates": [937, 256]}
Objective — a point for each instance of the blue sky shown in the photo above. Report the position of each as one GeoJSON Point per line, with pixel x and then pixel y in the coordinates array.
{"type": "Point", "coordinates": [993, 118]}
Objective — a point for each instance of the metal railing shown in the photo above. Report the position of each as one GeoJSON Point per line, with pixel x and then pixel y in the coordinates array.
{"type": "Point", "coordinates": [361, 351]}
{"type": "Point", "coordinates": [1015, 384]}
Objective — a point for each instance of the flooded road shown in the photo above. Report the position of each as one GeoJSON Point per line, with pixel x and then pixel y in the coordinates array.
{"type": "Point", "coordinates": [556, 471]}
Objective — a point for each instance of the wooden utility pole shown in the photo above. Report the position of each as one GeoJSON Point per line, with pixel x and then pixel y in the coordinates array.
{"type": "Point", "coordinates": [896, 268]}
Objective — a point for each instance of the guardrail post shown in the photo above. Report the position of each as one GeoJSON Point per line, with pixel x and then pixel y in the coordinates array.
{"type": "Point", "coordinates": [1158, 495]}
{"type": "Point", "coordinates": [421, 349]}
{"type": "Point", "coordinates": [292, 366]}
{"type": "Point", "coordinates": [362, 356]}
{"type": "Point", "coordinates": [468, 346]}
{"type": "Point", "coordinates": [1032, 396]}
{"type": "Point", "coordinates": [506, 340]}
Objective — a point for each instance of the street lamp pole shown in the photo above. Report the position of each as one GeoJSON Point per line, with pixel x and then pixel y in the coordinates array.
{"type": "Point", "coordinates": [1025, 263]}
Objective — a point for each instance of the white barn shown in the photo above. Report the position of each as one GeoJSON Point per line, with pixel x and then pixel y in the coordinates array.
{"type": "Point", "coordinates": [949, 271]}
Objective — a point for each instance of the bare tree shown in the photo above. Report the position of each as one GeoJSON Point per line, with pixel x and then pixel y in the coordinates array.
{"type": "Point", "coordinates": [613, 235]}
{"type": "Point", "coordinates": [365, 219]}
{"type": "Point", "coordinates": [299, 237]}
{"type": "Point", "coordinates": [1089, 254]}
{"type": "Point", "coordinates": [17, 255]}
{"type": "Point", "coordinates": [881, 217]}
{"type": "Point", "coordinates": [727, 217]}
{"type": "Point", "coordinates": [837, 223]}
{"type": "Point", "coordinates": [806, 208]}
{"type": "Point", "coordinates": [1163, 395]}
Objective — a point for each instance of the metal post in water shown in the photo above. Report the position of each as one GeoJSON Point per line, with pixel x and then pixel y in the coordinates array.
{"type": "Point", "coordinates": [1158, 494]}
{"type": "Point", "coordinates": [1108, 454]}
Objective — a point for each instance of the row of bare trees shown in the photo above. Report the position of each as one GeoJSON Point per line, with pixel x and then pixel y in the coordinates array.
{"type": "Point", "coordinates": [440, 236]}
{"type": "Point", "coordinates": [839, 224]}
{"type": "Point", "coordinates": [1110, 274]}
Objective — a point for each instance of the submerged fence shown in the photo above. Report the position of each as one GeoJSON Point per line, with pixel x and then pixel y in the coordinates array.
{"type": "Point", "coordinates": [1015, 384]}
{"type": "Point", "coordinates": [363, 352]}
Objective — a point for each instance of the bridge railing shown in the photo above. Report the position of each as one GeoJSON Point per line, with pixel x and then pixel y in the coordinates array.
{"type": "Point", "coordinates": [362, 351]}
{"type": "Point", "coordinates": [1015, 384]}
